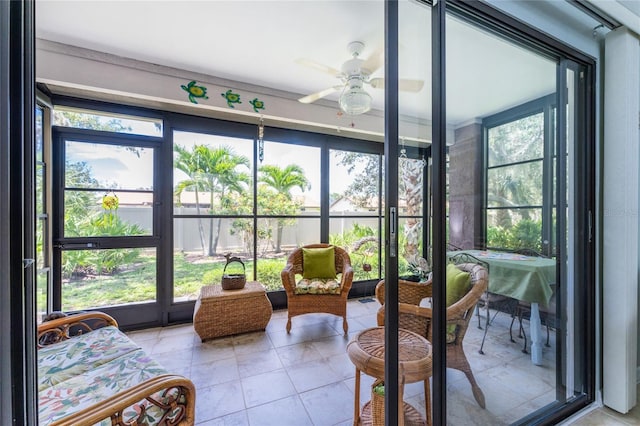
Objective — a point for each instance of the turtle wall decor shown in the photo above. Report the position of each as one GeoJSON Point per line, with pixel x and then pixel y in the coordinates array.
{"type": "Point", "coordinates": [195, 91]}
{"type": "Point", "coordinates": [232, 98]}
{"type": "Point", "coordinates": [257, 104]}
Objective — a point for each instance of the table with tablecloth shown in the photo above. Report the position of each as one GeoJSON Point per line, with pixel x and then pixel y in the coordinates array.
{"type": "Point", "coordinates": [527, 278]}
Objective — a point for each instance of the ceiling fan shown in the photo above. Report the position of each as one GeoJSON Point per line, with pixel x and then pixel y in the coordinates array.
{"type": "Point", "coordinates": [354, 74]}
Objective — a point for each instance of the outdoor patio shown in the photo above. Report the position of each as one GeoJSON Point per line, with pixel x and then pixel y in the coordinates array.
{"type": "Point", "coordinates": [306, 377]}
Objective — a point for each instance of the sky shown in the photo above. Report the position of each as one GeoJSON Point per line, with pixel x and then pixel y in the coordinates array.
{"type": "Point", "coordinates": [119, 168]}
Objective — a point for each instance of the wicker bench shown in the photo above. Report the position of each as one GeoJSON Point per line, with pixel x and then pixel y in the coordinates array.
{"type": "Point", "coordinates": [221, 312]}
{"type": "Point", "coordinates": [89, 372]}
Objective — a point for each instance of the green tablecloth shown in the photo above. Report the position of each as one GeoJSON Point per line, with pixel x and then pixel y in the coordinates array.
{"type": "Point", "coordinates": [521, 277]}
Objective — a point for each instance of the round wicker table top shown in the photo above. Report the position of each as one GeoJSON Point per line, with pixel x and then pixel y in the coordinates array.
{"type": "Point", "coordinates": [367, 350]}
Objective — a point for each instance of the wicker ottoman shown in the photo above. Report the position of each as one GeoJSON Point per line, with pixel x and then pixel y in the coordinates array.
{"type": "Point", "coordinates": [221, 312]}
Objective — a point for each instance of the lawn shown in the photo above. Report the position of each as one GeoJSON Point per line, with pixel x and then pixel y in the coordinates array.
{"type": "Point", "coordinates": [137, 282]}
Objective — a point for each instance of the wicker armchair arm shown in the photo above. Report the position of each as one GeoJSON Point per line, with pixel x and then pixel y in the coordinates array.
{"type": "Point", "coordinates": [408, 291]}
{"type": "Point", "coordinates": [288, 277]}
{"type": "Point", "coordinates": [346, 279]}
{"type": "Point", "coordinates": [65, 328]}
{"type": "Point", "coordinates": [114, 406]}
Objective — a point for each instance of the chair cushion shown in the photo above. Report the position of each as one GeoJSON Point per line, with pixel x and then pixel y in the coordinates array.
{"type": "Point", "coordinates": [70, 358]}
{"type": "Point", "coordinates": [318, 263]}
{"type": "Point", "coordinates": [318, 286]}
{"type": "Point", "coordinates": [458, 284]}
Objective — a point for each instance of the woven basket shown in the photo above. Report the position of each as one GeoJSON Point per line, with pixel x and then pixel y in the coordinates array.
{"type": "Point", "coordinates": [233, 281]}
{"type": "Point", "coordinates": [377, 405]}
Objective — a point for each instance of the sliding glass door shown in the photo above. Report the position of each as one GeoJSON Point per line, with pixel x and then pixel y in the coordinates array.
{"type": "Point", "coordinates": [106, 233]}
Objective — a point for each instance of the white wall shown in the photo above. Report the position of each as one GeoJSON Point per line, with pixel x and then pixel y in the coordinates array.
{"type": "Point", "coordinates": [620, 221]}
{"type": "Point", "coordinates": [97, 75]}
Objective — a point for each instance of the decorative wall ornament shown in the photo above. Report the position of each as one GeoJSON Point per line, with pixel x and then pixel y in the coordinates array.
{"type": "Point", "coordinates": [411, 180]}
{"type": "Point", "coordinates": [232, 98]}
{"type": "Point", "coordinates": [110, 201]}
{"type": "Point", "coordinates": [261, 140]}
{"type": "Point", "coordinates": [257, 104]}
{"type": "Point", "coordinates": [195, 91]}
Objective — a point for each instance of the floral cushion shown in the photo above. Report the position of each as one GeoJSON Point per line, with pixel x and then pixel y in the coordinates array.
{"type": "Point", "coordinates": [69, 358]}
{"type": "Point", "coordinates": [318, 286]}
{"type": "Point", "coordinates": [93, 387]}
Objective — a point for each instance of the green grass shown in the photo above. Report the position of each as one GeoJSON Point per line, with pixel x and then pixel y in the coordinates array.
{"type": "Point", "coordinates": [137, 283]}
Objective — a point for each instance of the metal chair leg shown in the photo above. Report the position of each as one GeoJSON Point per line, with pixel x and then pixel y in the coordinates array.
{"type": "Point", "coordinates": [486, 328]}
{"type": "Point", "coordinates": [524, 348]}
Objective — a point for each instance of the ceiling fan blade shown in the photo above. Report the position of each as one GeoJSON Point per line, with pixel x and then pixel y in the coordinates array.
{"type": "Point", "coordinates": [374, 62]}
{"type": "Point", "coordinates": [318, 66]}
{"type": "Point", "coordinates": [404, 84]}
{"type": "Point", "coordinates": [319, 95]}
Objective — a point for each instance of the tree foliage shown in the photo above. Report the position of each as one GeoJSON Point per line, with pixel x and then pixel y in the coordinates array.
{"type": "Point", "coordinates": [364, 185]}
{"type": "Point", "coordinates": [514, 185]}
{"type": "Point", "coordinates": [281, 181]}
{"type": "Point", "coordinates": [217, 172]}
{"type": "Point", "coordinates": [270, 202]}
{"type": "Point", "coordinates": [88, 121]}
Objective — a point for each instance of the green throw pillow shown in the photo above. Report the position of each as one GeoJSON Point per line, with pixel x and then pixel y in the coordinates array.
{"type": "Point", "coordinates": [458, 283]}
{"type": "Point", "coordinates": [318, 263]}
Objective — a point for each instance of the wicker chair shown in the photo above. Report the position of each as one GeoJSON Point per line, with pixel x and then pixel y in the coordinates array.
{"type": "Point", "coordinates": [335, 304]}
{"type": "Point", "coordinates": [418, 319]}
{"type": "Point", "coordinates": [409, 292]}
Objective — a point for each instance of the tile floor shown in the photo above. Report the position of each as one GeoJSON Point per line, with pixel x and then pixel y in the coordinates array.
{"type": "Point", "coordinates": [306, 377]}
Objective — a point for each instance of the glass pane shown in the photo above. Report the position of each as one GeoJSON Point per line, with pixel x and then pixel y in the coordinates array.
{"type": "Point", "coordinates": [40, 188]}
{"type": "Point", "coordinates": [108, 277]}
{"type": "Point", "coordinates": [490, 341]}
{"type": "Point", "coordinates": [101, 120]}
{"type": "Point", "coordinates": [411, 244]}
{"type": "Point", "coordinates": [199, 246]}
{"type": "Point", "coordinates": [269, 269]}
{"type": "Point", "coordinates": [42, 278]}
{"type": "Point", "coordinates": [92, 165]}
{"type": "Point", "coordinates": [96, 214]}
{"type": "Point", "coordinates": [39, 134]}
{"type": "Point", "coordinates": [289, 180]}
{"type": "Point", "coordinates": [518, 140]}
{"type": "Point", "coordinates": [353, 182]}
{"type": "Point", "coordinates": [516, 185]}
{"type": "Point", "coordinates": [294, 232]}
{"type": "Point", "coordinates": [360, 237]}
{"type": "Point", "coordinates": [410, 186]}
{"type": "Point", "coordinates": [514, 229]}
{"type": "Point", "coordinates": [212, 174]}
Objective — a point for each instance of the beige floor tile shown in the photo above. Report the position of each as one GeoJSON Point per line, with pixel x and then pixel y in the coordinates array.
{"type": "Point", "coordinates": [599, 418]}
{"type": "Point", "coordinates": [329, 404]}
{"type": "Point", "coordinates": [312, 374]}
{"type": "Point", "coordinates": [239, 418]}
{"type": "Point", "coordinates": [253, 363]}
{"type": "Point", "coordinates": [214, 372]}
{"type": "Point", "coordinates": [297, 354]}
{"type": "Point", "coordinates": [306, 377]}
{"type": "Point", "coordinates": [219, 400]}
{"type": "Point", "coordinates": [263, 388]}
{"type": "Point", "coordinates": [251, 342]}
{"type": "Point", "coordinates": [288, 411]}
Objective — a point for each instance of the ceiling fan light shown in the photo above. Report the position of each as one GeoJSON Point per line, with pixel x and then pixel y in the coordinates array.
{"type": "Point", "coordinates": [355, 100]}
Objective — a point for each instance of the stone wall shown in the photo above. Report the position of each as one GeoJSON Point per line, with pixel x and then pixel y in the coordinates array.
{"type": "Point", "coordinates": [465, 188]}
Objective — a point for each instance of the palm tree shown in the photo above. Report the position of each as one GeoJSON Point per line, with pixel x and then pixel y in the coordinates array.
{"type": "Point", "coordinates": [283, 181]}
{"type": "Point", "coordinates": [215, 170]}
{"type": "Point", "coordinates": [186, 161]}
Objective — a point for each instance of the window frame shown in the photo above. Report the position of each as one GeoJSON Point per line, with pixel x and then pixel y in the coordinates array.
{"type": "Point", "coordinates": [545, 105]}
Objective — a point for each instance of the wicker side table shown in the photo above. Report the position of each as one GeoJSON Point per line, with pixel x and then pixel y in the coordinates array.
{"type": "Point", "coordinates": [221, 312]}
{"type": "Point", "coordinates": [366, 351]}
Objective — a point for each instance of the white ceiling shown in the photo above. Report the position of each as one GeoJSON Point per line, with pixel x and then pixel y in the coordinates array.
{"type": "Point", "coordinates": [258, 42]}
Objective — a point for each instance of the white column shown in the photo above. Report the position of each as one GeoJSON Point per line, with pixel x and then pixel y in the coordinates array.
{"type": "Point", "coordinates": [620, 188]}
